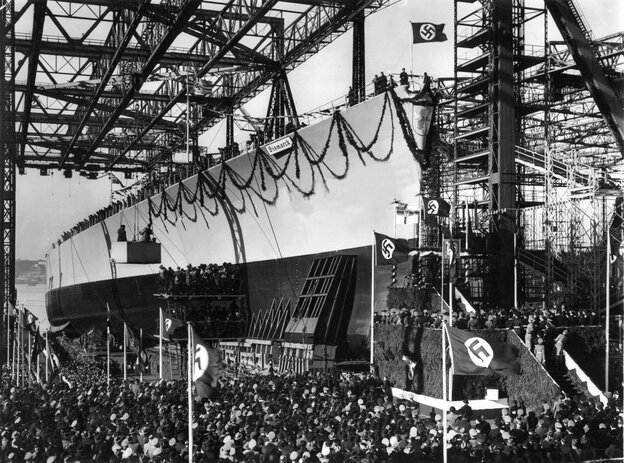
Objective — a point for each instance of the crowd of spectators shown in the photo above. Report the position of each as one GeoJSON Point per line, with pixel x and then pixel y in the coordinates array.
{"type": "Point", "coordinates": [204, 279]}
{"type": "Point", "coordinates": [334, 417]}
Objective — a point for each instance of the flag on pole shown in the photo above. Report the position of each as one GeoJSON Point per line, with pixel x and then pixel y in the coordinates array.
{"type": "Point", "coordinates": [391, 251]}
{"type": "Point", "coordinates": [473, 355]}
{"type": "Point", "coordinates": [130, 337]}
{"type": "Point", "coordinates": [55, 362]}
{"type": "Point", "coordinates": [141, 356]}
{"type": "Point", "coordinates": [428, 32]}
{"type": "Point", "coordinates": [170, 324]}
{"type": "Point", "coordinates": [407, 216]}
{"type": "Point", "coordinates": [37, 346]}
{"type": "Point", "coordinates": [468, 308]}
{"type": "Point", "coordinates": [207, 367]}
{"type": "Point", "coordinates": [436, 206]}
{"type": "Point", "coordinates": [29, 320]}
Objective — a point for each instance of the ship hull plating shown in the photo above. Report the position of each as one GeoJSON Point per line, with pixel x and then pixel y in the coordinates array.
{"type": "Point", "coordinates": [272, 215]}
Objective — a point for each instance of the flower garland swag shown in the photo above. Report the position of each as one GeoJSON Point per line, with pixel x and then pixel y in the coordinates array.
{"type": "Point", "coordinates": [265, 168]}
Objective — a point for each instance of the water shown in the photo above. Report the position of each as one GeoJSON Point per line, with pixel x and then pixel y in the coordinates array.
{"type": "Point", "coordinates": [33, 298]}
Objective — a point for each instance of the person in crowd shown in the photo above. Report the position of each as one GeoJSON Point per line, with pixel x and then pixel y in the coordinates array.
{"type": "Point", "coordinates": [539, 351]}
{"type": "Point", "coordinates": [121, 233]}
{"type": "Point", "coordinates": [560, 341]}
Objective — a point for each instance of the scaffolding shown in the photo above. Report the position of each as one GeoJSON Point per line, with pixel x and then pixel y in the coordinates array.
{"type": "Point", "coordinates": [532, 156]}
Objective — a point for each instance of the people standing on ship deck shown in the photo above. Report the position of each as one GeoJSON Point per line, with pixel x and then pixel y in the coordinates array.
{"type": "Point", "coordinates": [383, 82]}
{"type": "Point", "coordinates": [121, 233]}
{"type": "Point", "coordinates": [403, 78]}
{"type": "Point", "coordinates": [351, 97]}
{"type": "Point", "coordinates": [376, 84]}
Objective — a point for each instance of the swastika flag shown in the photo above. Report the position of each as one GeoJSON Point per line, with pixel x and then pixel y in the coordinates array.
{"type": "Point", "coordinates": [436, 206]}
{"type": "Point", "coordinates": [207, 367]}
{"type": "Point", "coordinates": [473, 355]}
{"type": "Point", "coordinates": [170, 324]}
{"type": "Point", "coordinates": [428, 32]}
{"type": "Point", "coordinates": [391, 250]}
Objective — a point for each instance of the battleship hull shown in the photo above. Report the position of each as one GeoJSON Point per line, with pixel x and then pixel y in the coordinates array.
{"type": "Point", "coordinates": [273, 211]}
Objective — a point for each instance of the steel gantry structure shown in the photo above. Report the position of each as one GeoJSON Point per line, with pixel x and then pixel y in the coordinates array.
{"type": "Point", "coordinates": [121, 85]}
{"type": "Point", "coordinates": [102, 84]}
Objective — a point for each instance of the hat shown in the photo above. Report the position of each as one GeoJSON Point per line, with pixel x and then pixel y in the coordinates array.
{"type": "Point", "coordinates": [125, 417]}
{"type": "Point", "coordinates": [294, 455]}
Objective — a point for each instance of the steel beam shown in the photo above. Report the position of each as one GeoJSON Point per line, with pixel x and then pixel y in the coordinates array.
{"type": "Point", "coordinates": [177, 26]}
{"type": "Point", "coordinates": [258, 13]}
{"type": "Point", "coordinates": [107, 76]}
{"type": "Point", "coordinates": [40, 7]}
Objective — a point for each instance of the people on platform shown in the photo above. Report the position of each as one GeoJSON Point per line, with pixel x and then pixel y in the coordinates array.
{"type": "Point", "coordinates": [204, 279]}
{"type": "Point", "coordinates": [121, 233]}
{"type": "Point", "coordinates": [382, 82]}
{"type": "Point", "coordinates": [146, 234]}
{"type": "Point", "coordinates": [403, 78]}
{"type": "Point", "coordinates": [351, 97]}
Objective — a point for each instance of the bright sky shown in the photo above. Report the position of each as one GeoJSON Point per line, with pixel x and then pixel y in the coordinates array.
{"type": "Point", "coordinates": [47, 206]}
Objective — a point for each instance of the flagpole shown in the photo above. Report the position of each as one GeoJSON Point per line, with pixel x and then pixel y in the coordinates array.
{"type": "Point", "coordinates": [108, 345]}
{"type": "Point", "coordinates": [125, 358]}
{"type": "Point", "coordinates": [442, 278]}
{"type": "Point", "coordinates": [444, 393]}
{"type": "Point", "coordinates": [47, 370]}
{"type": "Point", "coordinates": [411, 42]}
{"type": "Point", "coordinates": [160, 343]}
{"type": "Point", "coordinates": [29, 355]}
{"type": "Point", "coordinates": [141, 364]}
{"type": "Point", "coordinates": [607, 310]}
{"type": "Point", "coordinates": [372, 303]}
{"type": "Point", "coordinates": [189, 390]}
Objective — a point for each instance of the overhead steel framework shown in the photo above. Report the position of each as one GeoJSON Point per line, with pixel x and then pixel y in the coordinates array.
{"type": "Point", "coordinates": [101, 84]}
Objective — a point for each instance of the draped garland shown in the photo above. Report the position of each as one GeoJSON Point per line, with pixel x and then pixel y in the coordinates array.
{"type": "Point", "coordinates": [210, 191]}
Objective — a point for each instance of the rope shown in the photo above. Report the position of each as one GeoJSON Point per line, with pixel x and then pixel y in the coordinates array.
{"type": "Point", "coordinates": [267, 169]}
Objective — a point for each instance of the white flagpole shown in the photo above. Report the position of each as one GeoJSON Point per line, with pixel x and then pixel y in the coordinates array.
{"type": "Point", "coordinates": [607, 309]}
{"type": "Point", "coordinates": [125, 358]}
{"type": "Point", "coordinates": [141, 364]}
{"type": "Point", "coordinates": [107, 345]}
{"type": "Point", "coordinates": [372, 302]}
{"type": "Point", "coordinates": [47, 370]}
{"type": "Point", "coordinates": [29, 355]}
{"type": "Point", "coordinates": [190, 392]}
{"type": "Point", "coordinates": [411, 42]}
{"type": "Point", "coordinates": [20, 347]}
{"type": "Point", "coordinates": [444, 393]}
{"type": "Point", "coordinates": [160, 343]}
